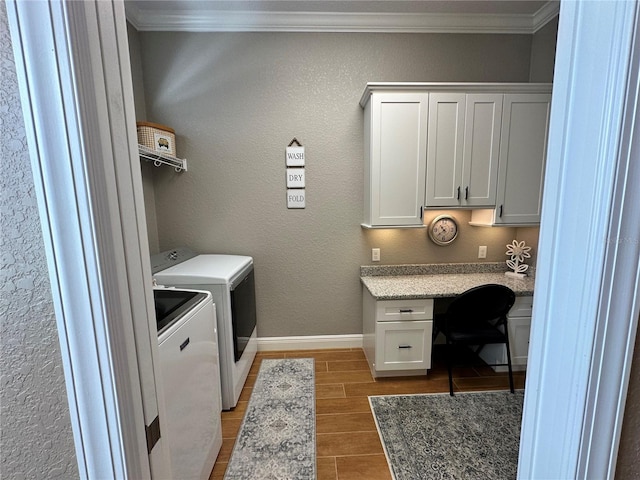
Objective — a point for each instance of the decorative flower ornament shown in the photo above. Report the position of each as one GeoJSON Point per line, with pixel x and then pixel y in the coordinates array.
{"type": "Point", "coordinates": [518, 251]}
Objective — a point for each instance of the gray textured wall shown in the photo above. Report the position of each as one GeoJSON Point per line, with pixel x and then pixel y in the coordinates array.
{"type": "Point", "coordinates": [35, 430]}
{"type": "Point", "coordinates": [543, 52]}
{"type": "Point", "coordinates": [237, 99]}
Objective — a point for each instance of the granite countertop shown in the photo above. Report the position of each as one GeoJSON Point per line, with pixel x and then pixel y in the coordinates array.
{"type": "Point", "coordinates": [396, 282]}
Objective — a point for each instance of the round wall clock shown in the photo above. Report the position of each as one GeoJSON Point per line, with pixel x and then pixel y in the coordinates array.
{"type": "Point", "coordinates": [443, 229]}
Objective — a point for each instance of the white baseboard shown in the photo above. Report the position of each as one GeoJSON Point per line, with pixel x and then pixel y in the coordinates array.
{"type": "Point", "coordinates": [268, 344]}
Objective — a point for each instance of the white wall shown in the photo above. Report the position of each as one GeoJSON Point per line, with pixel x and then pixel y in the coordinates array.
{"type": "Point", "coordinates": [237, 99]}
{"type": "Point", "coordinates": [36, 439]}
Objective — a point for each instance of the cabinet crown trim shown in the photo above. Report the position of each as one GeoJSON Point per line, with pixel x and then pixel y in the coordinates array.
{"type": "Point", "coordinates": [399, 87]}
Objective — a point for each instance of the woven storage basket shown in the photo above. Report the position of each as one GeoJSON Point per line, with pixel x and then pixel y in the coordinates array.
{"type": "Point", "coordinates": [158, 138]}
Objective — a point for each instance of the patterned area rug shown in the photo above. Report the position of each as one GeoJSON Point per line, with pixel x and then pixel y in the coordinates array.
{"type": "Point", "coordinates": [468, 436]}
{"type": "Point", "coordinates": [277, 436]}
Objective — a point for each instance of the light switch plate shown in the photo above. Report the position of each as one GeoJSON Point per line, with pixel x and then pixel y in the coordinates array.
{"type": "Point", "coordinates": [482, 251]}
{"type": "Point", "coordinates": [375, 254]}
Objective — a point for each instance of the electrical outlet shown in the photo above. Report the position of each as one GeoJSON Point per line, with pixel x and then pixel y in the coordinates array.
{"type": "Point", "coordinates": [375, 254]}
{"type": "Point", "coordinates": [482, 251]}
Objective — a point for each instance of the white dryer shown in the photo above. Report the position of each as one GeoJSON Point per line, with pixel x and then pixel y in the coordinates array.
{"type": "Point", "coordinates": [230, 280]}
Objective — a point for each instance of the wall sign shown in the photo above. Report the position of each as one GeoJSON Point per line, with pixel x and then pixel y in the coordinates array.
{"type": "Point", "coordinates": [295, 156]}
{"type": "Point", "coordinates": [295, 198]}
{"type": "Point", "coordinates": [296, 178]}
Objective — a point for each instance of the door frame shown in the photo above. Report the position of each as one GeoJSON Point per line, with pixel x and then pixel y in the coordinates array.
{"type": "Point", "coordinates": [98, 257]}
{"type": "Point", "coordinates": [73, 67]}
{"type": "Point", "coordinates": [585, 310]}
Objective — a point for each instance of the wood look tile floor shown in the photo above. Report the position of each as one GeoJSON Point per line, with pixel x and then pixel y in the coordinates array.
{"type": "Point", "coordinates": [347, 443]}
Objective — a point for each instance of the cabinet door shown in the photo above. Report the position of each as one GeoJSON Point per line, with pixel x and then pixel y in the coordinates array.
{"type": "Point", "coordinates": [398, 147]}
{"type": "Point", "coordinates": [445, 145]}
{"type": "Point", "coordinates": [483, 118]}
{"type": "Point", "coordinates": [403, 345]}
{"type": "Point", "coordinates": [519, 323]}
{"type": "Point", "coordinates": [523, 149]}
{"type": "Point", "coordinates": [519, 329]}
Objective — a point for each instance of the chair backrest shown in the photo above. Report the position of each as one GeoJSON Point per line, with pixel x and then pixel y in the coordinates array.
{"type": "Point", "coordinates": [481, 304]}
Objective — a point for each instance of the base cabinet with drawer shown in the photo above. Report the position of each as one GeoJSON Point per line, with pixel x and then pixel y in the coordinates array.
{"type": "Point", "coordinates": [519, 325]}
{"type": "Point", "coordinates": [397, 335]}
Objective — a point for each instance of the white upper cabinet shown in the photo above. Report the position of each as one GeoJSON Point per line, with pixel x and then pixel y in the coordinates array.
{"type": "Point", "coordinates": [395, 149]}
{"type": "Point", "coordinates": [481, 149]}
{"type": "Point", "coordinates": [445, 144]}
{"type": "Point", "coordinates": [462, 149]}
{"type": "Point", "coordinates": [523, 151]}
{"type": "Point", "coordinates": [454, 145]}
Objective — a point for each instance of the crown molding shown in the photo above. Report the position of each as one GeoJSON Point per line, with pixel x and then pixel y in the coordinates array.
{"type": "Point", "coordinates": [252, 21]}
{"type": "Point", "coordinates": [468, 87]}
{"type": "Point", "coordinates": [547, 12]}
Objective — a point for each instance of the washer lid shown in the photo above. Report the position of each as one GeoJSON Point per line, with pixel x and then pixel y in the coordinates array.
{"type": "Point", "coordinates": [171, 305]}
{"type": "Point", "coordinates": [205, 269]}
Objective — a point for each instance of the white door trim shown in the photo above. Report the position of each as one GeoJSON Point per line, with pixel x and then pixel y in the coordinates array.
{"type": "Point", "coordinates": [620, 296]}
{"type": "Point", "coordinates": [585, 309]}
{"type": "Point", "coordinates": [93, 266]}
{"type": "Point", "coordinates": [74, 74]}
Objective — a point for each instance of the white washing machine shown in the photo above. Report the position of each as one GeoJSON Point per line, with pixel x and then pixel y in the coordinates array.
{"type": "Point", "coordinates": [190, 372]}
{"type": "Point", "coordinates": [230, 280]}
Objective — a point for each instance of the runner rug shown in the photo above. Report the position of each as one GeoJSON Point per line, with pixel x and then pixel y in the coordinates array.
{"type": "Point", "coordinates": [276, 440]}
{"type": "Point", "coordinates": [437, 436]}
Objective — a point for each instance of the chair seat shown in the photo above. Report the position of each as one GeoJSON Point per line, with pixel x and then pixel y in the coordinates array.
{"type": "Point", "coordinates": [475, 336]}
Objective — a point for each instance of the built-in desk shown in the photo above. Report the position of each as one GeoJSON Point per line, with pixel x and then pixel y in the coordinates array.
{"type": "Point", "coordinates": [398, 308]}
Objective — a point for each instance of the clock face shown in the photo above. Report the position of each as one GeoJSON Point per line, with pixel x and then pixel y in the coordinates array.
{"type": "Point", "coordinates": [443, 230]}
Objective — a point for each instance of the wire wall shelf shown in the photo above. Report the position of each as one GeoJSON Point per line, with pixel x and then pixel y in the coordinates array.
{"type": "Point", "coordinates": [158, 159]}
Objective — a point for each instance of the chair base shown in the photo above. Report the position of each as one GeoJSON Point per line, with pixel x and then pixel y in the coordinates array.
{"type": "Point", "coordinates": [449, 360]}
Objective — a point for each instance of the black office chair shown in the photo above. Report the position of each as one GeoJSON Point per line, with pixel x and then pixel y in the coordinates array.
{"type": "Point", "coordinates": [478, 317]}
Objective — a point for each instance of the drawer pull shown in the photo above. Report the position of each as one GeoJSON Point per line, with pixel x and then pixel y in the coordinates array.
{"type": "Point", "coordinates": [184, 344]}
{"type": "Point", "coordinates": [406, 310]}
{"type": "Point", "coordinates": [405, 346]}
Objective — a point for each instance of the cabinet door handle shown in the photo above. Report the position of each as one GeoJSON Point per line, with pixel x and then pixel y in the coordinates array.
{"type": "Point", "coordinates": [500, 214]}
{"type": "Point", "coordinates": [184, 344]}
{"type": "Point", "coordinates": [406, 310]}
{"type": "Point", "coordinates": [458, 193]}
{"type": "Point", "coordinates": [466, 193]}
{"type": "Point", "coordinates": [405, 346]}
{"type": "Point", "coordinates": [421, 212]}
